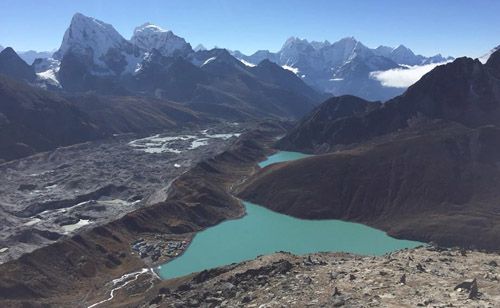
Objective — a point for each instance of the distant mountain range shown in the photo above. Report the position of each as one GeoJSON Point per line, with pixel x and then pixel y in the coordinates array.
{"type": "Point", "coordinates": [94, 56]}
{"type": "Point", "coordinates": [31, 55]}
{"type": "Point", "coordinates": [101, 84]}
{"type": "Point", "coordinates": [155, 62]}
{"type": "Point", "coordinates": [464, 91]}
{"type": "Point", "coordinates": [157, 68]}
{"type": "Point", "coordinates": [343, 67]}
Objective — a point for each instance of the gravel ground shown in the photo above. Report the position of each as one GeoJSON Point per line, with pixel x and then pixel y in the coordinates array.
{"type": "Point", "coordinates": [54, 194]}
{"type": "Point", "coordinates": [426, 277]}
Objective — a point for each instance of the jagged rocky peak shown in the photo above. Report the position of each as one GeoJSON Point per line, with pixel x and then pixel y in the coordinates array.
{"type": "Point", "coordinates": [384, 51]}
{"type": "Point", "coordinates": [318, 45]}
{"type": "Point", "coordinates": [493, 63]}
{"type": "Point", "coordinates": [296, 43]}
{"type": "Point", "coordinates": [149, 36]}
{"type": "Point", "coordinates": [349, 45]}
{"type": "Point", "coordinates": [344, 51]}
{"type": "Point", "coordinates": [13, 66]}
{"type": "Point", "coordinates": [200, 47]}
{"type": "Point", "coordinates": [485, 57]}
{"type": "Point", "coordinates": [96, 47]}
{"type": "Point", "coordinates": [88, 36]}
{"type": "Point", "coordinates": [404, 55]}
{"type": "Point", "coordinates": [9, 52]}
{"type": "Point", "coordinates": [293, 49]}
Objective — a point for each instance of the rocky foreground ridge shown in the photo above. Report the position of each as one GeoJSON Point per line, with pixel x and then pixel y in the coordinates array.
{"type": "Point", "coordinates": [420, 277]}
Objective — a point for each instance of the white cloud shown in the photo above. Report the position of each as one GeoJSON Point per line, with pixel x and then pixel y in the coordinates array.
{"type": "Point", "coordinates": [403, 77]}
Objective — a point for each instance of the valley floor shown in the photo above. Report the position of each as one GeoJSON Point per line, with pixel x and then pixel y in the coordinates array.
{"type": "Point", "coordinates": [59, 193]}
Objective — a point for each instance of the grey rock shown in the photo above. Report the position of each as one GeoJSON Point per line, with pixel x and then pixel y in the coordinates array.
{"type": "Point", "coordinates": [402, 280]}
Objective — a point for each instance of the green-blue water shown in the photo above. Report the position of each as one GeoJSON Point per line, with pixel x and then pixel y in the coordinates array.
{"type": "Point", "coordinates": [282, 156]}
{"type": "Point", "coordinates": [262, 231]}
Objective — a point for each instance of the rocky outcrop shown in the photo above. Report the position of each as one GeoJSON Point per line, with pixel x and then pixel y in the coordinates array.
{"type": "Point", "coordinates": [433, 277]}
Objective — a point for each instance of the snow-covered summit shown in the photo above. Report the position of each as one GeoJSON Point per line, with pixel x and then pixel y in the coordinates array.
{"type": "Point", "coordinates": [293, 50]}
{"type": "Point", "coordinates": [149, 36]}
{"type": "Point", "coordinates": [91, 37]}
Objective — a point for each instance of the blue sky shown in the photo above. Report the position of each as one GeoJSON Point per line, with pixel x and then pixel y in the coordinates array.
{"type": "Point", "coordinates": [450, 27]}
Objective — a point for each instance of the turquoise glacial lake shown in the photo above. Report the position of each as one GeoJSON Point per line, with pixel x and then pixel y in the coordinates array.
{"type": "Point", "coordinates": [262, 231]}
{"type": "Point", "coordinates": [282, 156]}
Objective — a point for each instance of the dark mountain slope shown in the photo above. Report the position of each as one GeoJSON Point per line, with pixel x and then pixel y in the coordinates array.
{"type": "Point", "coordinates": [435, 182]}
{"type": "Point", "coordinates": [265, 90]}
{"type": "Point", "coordinates": [272, 73]}
{"type": "Point", "coordinates": [33, 120]}
{"type": "Point", "coordinates": [423, 166]}
{"type": "Point", "coordinates": [174, 78]}
{"type": "Point", "coordinates": [314, 129]}
{"type": "Point", "coordinates": [14, 67]}
{"type": "Point", "coordinates": [464, 91]}
{"type": "Point", "coordinates": [129, 114]}
{"type": "Point", "coordinates": [75, 75]}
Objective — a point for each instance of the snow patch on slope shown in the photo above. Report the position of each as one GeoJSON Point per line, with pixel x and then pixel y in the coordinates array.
{"type": "Point", "coordinates": [291, 69]}
{"type": "Point", "coordinates": [247, 63]}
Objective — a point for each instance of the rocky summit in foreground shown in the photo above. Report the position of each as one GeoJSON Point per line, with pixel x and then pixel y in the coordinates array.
{"type": "Point", "coordinates": [425, 277]}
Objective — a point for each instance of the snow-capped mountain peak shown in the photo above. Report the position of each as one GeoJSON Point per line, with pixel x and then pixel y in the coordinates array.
{"type": "Point", "coordinates": [149, 27]}
{"type": "Point", "coordinates": [88, 36]}
{"type": "Point", "coordinates": [384, 51]}
{"type": "Point", "coordinates": [293, 49]}
{"type": "Point", "coordinates": [97, 46]}
{"type": "Point", "coordinates": [149, 36]}
{"type": "Point", "coordinates": [318, 45]}
{"type": "Point", "coordinates": [293, 41]}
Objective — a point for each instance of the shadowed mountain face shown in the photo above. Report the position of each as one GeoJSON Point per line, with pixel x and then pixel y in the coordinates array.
{"type": "Point", "coordinates": [33, 120]}
{"type": "Point", "coordinates": [464, 91]}
{"type": "Point", "coordinates": [14, 67]}
{"type": "Point", "coordinates": [315, 128]}
{"type": "Point", "coordinates": [423, 166]}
